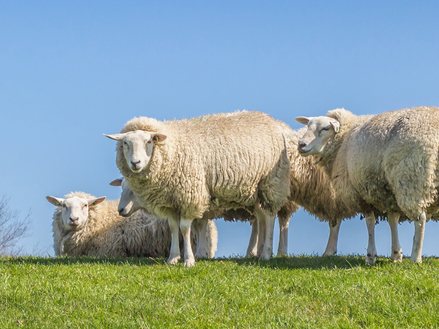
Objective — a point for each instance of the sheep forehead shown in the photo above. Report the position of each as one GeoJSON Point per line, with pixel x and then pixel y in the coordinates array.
{"type": "Point", "coordinates": [137, 136]}
{"type": "Point", "coordinates": [75, 201]}
{"type": "Point", "coordinates": [318, 122]}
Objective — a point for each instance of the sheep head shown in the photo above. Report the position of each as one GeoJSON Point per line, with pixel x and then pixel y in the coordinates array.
{"type": "Point", "coordinates": [137, 147]}
{"type": "Point", "coordinates": [128, 203]}
{"type": "Point", "coordinates": [74, 210]}
{"type": "Point", "coordinates": [320, 131]}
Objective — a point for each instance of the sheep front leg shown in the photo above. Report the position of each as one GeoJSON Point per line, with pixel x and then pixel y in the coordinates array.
{"type": "Point", "coordinates": [185, 227]}
{"type": "Point", "coordinates": [396, 255]}
{"type": "Point", "coordinates": [371, 249]}
{"type": "Point", "coordinates": [174, 254]}
{"type": "Point", "coordinates": [284, 223]}
{"type": "Point", "coordinates": [252, 249]}
{"type": "Point", "coordinates": [418, 239]}
{"type": "Point", "coordinates": [268, 244]}
{"type": "Point", "coordinates": [201, 230]}
{"type": "Point", "coordinates": [331, 247]}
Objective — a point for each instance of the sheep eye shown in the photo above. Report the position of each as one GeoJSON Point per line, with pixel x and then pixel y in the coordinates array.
{"type": "Point", "coordinates": [84, 206]}
{"type": "Point", "coordinates": [125, 143]}
{"type": "Point", "coordinates": [64, 206]}
{"type": "Point", "coordinates": [325, 128]}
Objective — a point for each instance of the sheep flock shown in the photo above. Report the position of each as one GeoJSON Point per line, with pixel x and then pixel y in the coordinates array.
{"type": "Point", "coordinates": [179, 176]}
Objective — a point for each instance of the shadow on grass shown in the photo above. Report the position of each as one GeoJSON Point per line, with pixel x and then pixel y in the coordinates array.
{"type": "Point", "coordinates": [284, 262]}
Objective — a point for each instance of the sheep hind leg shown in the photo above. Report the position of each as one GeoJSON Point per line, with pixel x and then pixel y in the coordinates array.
{"type": "Point", "coordinates": [284, 223]}
{"type": "Point", "coordinates": [260, 220]}
{"type": "Point", "coordinates": [174, 254]}
{"type": "Point", "coordinates": [396, 252]}
{"type": "Point", "coordinates": [331, 247]}
{"type": "Point", "coordinates": [201, 230]}
{"type": "Point", "coordinates": [185, 227]}
{"type": "Point", "coordinates": [418, 238]}
{"type": "Point", "coordinates": [371, 249]}
{"type": "Point", "coordinates": [252, 249]}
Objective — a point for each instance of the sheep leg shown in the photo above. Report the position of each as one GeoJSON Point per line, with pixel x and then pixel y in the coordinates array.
{"type": "Point", "coordinates": [268, 244]}
{"type": "Point", "coordinates": [393, 219]}
{"type": "Point", "coordinates": [260, 220]}
{"type": "Point", "coordinates": [201, 230]}
{"type": "Point", "coordinates": [418, 239]}
{"type": "Point", "coordinates": [252, 249]}
{"type": "Point", "coordinates": [284, 223]}
{"type": "Point", "coordinates": [185, 227]}
{"type": "Point", "coordinates": [174, 254]}
{"type": "Point", "coordinates": [371, 249]}
{"type": "Point", "coordinates": [331, 247]}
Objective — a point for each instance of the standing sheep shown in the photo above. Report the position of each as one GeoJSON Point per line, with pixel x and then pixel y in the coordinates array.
{"type": "Point", "coordinates": [85, 225]}
{"type": "Point", "coordinates": [181, 169]}
{"type": "Point", "coordinates": [206, 231]}
{"type": "Point", "coordinates": [387, 162]}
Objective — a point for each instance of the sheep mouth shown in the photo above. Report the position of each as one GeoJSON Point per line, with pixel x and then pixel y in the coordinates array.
{"type": "Point", "coordinates": [303, 152]}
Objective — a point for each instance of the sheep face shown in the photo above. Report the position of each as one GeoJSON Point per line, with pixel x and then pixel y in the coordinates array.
{"type": "Point", "coordinates": [74, 210]}
{"type": "Point", "coordinates": [320, 131]}
{"type": "Point", "coordinates": [128, 203]}
{"type": "Point", "coordinates": [137, 147]}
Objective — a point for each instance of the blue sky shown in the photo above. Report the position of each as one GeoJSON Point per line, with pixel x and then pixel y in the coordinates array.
{"type": "Point", "coordinates": [71, 71]}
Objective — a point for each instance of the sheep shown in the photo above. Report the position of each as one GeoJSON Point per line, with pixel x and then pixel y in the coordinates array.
{"type": "Point", "coordinates": [86, 225]}
{"type": "Point", "coordinates": [207, 233]}
{"type": "Point", "coordinates": [128, 205]}
{"type": "Point", "coordinates": [312, 189]}
{"type": "Point", "coordinates": [387, 162]}
{"type": "Point", "coordinates": [181, 169]}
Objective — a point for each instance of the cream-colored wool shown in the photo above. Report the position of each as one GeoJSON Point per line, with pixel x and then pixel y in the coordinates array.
{"type": "Point", "coordinates": [387, 162]}
{"type": "Point", "coordinates": [312, 189]}
{"type": "Point", "coordinates": [107, 234]}
{"type": "Point", "coordinates": [212, 163]}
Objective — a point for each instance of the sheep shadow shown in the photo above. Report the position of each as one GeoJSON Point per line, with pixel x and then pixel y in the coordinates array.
{"type": "Point", "coordinates": [279, 262]}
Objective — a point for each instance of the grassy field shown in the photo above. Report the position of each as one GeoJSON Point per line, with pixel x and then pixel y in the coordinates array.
{"type": "Point", "coordinates": [292, 292]}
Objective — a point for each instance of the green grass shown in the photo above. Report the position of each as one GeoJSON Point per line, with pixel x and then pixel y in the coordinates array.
{"type": "Point", "coordinates": [292, 292]}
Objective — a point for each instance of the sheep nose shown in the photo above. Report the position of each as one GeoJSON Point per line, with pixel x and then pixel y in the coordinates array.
{"type": "Point", "coordinates": [121, 210]}
{"type": "Point", "coordinates": [135, 163]}
{"type": "Point", "coordinates": [74, 219]}
{"type": "Point", "coordinates": [302, 145]}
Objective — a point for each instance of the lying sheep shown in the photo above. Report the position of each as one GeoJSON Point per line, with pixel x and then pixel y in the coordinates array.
{"type": "Point", "coordinates": [387, 162]}
{"type": "Point", "coordinates": [85, 225]}
{"type": "Point", "coordinates": [181, 169]}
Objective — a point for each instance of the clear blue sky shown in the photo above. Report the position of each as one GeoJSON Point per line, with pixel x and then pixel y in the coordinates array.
{"type": "Point", "coordinates": [73, 70]}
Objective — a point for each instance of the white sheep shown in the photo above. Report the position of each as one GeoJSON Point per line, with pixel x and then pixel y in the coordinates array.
{"type": "Point", "coordinates": [206, 231]}
{"type": "Point", "coordinates": [128, 205]}
{"type": "Point", "coordinates": [181, 169]}
{"type": "Point", "coordinates": [85, 225]}
{"type": "Point", "coordinates": [386, 163]}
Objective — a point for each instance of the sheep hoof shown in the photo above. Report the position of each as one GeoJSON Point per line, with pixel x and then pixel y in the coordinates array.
{"type": "Point", "coordinates": [173, 260]}
{"type": "Point", "coordinates": [189, 262]}
{"type": "Point", "coordinates": [265, 257]}
{"type": "Point", "coordinates": [370, 260]}
{"type": "Point", "coordinates": [202, 254]}
{"type": "Point", "coordinates": [416, 259]}
{"type": "Point", "coordinates": [396, 256]}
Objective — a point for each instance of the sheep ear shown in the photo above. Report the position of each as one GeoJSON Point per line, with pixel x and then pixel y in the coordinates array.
{"type": "Point", "coordinates": [117, 182]}
{"type": "Point", "coordinates": [55, 201]}
{"type": "Point", "coordinates": [336, 126]}
{"type": "Point", "coordinates": [116, 137]}
{"type": "Point", "coordinates": [95, 201]}
{"type": "Point", "coordinates": [302, 120]}
{"type": "Point", "coordinates": [158, 137]}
